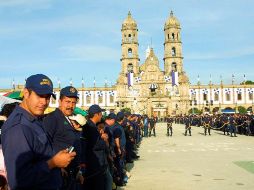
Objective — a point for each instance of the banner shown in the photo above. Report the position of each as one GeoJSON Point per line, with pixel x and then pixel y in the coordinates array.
{"type": "Point", "coordinates": [130, 79]}
{"type": "Point", "coordinates": [175, 78]}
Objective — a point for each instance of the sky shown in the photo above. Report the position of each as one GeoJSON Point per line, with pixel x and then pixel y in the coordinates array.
{"type": "Point", "coordinates": [71, 40]}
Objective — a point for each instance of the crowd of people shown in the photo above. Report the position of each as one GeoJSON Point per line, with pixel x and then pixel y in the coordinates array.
{"type": "Point", "coordinates": [230, 124]}
{"type": "Point", "coordinates": [62, 151]}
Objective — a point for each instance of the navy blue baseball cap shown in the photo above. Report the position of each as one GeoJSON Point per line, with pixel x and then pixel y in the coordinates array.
{"type": "Point", "coordinates": [120, 116]}
{"type": "Point", "coordinates": [111, 116]}
{"type": "Point", "coordinates": [93, 109]}
{"type": "Point", "coordinates": [69, 91]}
{"type": "Point", "coordinates": [40, 84]}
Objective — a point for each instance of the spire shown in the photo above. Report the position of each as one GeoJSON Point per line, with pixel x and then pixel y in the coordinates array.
{"type": "Point", "coordinates": [210, 80]}
{"type": "Point", "coordinates": [59, 83]}
{"type": "Point", "coordinates": [147, 51]}
{"type": "Point", "coordinates": [171, 13]}
{"type": "Point", "coordinates": [221, 81]}
{"type": "Point", "coordinates": [129, 14]}
{"type": "Point", "coordinates": [198, 80]}
{"type": "Point", "coordinates": [83, 82]}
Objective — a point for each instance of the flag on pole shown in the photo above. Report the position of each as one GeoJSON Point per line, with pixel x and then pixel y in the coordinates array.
{"type": "Point", "coordinates": [130, 79]}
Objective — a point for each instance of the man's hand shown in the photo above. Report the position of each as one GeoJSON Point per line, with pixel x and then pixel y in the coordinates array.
{"type": "Point", "coordinates": [61, 160]}
{"type": "Point", "coordinates": [80, 178]}
{"type": "Point", "coordinates": [104, 136]}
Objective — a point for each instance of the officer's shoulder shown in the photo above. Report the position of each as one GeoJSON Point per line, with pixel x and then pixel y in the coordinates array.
{"type": "Point", "coordinates": [13, 120]}
{"type": "Point", "coordinates": [51, 115]}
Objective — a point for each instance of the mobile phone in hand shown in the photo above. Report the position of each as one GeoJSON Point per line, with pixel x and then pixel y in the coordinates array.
{"type": "Point", "coordinates": [70, 149]}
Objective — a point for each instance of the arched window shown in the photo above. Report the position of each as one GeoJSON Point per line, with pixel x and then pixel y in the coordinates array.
{"type": "Point", "coordinates": [250, 96]}
{"type": "Point", "coordinates": [174, 66]}
{"type": "Point", "coordinates": [111, 99]}
{"type": "Point", "coordinates": [239, 96]}
{"type": "Point", "coordinates": [100, 99]}
{"type": "Point", "coordinates": [129, 37]}
{"type": "Point", "coordinates": [204, 97]}
{"type": "Point", "coordinates": [173, 51]}
{"type": "Point", "coordinates": [129, 52]}
{"type": "Point", "coordinates": [228, 97]}
{"type": "Point", "coordinates": [173, 36]}
{"type": "Point", "coordinates": [216, 97]}
{"type": "Point", "coordinates": [130, 68]}
{"type": "Point", "coordinates": [88, 99]}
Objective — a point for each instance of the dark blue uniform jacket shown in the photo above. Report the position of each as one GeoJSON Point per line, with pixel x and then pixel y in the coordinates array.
{"type": "Point", "coordinates": [95, 158]}
{"type": "Point", "coordinates": [62, 135]}
{"type": "Point", "coordinates": [26, 150]}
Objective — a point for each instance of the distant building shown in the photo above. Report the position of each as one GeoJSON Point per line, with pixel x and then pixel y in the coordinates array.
{"type": "Point", "coordinates": [147, 89]}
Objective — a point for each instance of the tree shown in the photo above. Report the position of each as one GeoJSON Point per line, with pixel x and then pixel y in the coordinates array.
{"type": "Point", "coordinates": [195, 111]}
{"type": "Point", "coordinates": [247, 82]}
{"type": "Point", "coordinates": [126, 110]}
{"type": "Point", "coordinates": [242, 110]}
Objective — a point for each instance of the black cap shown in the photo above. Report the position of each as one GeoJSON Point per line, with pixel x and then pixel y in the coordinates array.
{"type": "Point", "coordinates": [40, 84]}
{"type": "Point", "coordinates": [93, 109]}
{"type": "Point", "coordinates": [69, 91]}
{"type": "Point", "coordinates": [111, 116]}
{"type": "Point", "coordinates": [120, 116]}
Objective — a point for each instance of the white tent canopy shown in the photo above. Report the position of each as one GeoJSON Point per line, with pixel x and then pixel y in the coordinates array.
{"type": "Point", "coordinates": [5, 100]}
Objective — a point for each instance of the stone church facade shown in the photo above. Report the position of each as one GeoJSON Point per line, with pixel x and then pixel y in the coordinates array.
{"type": "Point", "coordinates": [147, 89]}
{"type": "Point", "coordinates": [153, 91]}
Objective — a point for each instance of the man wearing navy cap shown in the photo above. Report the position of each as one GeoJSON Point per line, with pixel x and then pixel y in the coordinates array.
{"type": "Point", "coordinates": [120, 143]}
{"type": "Point", "coordinates": [95, 158]}
{"type": "Point", "coordinates": [109, 124]}
{"type": "Point", "coordinates": [30, 160]}
{"type": "Point", "coordinates": [62, 133]}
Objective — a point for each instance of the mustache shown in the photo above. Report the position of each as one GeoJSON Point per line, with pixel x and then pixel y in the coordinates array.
{"type": "Point", "coordinates": [71, 109]}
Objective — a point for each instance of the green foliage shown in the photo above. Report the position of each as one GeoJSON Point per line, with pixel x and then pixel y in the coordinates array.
{"type": "Point", "coordinates": [126, 110]}
{"type": "Point", "coordinates": [242, 110]}
{"type": "Point", "coordinates": [247, 82]}
{"type": "Point", "coordinates": [195, 111]}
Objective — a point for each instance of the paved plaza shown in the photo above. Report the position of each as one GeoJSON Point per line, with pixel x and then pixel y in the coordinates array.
{"type": "Point", "coordinates": [194, 162]}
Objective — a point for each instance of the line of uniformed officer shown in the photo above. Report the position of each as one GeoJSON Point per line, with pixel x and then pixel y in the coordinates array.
{"type": "Point", "coordinates": [63, 134]}
{"type": "Point", "coordinates": [31, 162]}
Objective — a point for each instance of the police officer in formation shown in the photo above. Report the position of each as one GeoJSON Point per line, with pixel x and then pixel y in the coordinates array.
{"type": "Point", "coordinates": [152, 123]}
{"type": "Point", "coordinates": [63, 134]}
{"type": "Point", "coordinates": [169, 121]}
{"type": "Point", "coordinates": [31, 162]}
{"type": "Point", "coordinates": [187, 121]}
{"type": "Point", "coordinates": [207, 123]}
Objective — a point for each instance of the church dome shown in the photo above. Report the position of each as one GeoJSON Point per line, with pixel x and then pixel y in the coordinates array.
{"type": "Point", "coordinates": [172, 21]}
{"type": "Point", "coordinates": [129, 21]}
